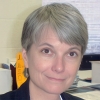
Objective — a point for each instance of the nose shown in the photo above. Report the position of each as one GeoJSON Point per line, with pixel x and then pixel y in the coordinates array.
{"type": "Point", "coordinates": [58, 65]}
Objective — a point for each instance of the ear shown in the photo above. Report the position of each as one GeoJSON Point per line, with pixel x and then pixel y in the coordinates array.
{"type": "Point", "coordinates": [81, 58]}
{"type": "Point", "coordinates": [25, 57]}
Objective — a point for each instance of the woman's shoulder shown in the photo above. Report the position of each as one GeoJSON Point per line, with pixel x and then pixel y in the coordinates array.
{"type": "Point", "coordinates": [66, 96]}
{"type": "Point", "coordinates": [8, 96]}
{"type": "Point", "coordinates": [22, 93]}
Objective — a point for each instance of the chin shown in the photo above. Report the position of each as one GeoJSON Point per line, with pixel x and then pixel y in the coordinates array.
{"type": "Point", "coordinates": [55, 90]}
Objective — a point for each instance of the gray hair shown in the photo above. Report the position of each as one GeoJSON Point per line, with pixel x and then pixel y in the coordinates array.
{"type": "Point", "coordinates": [65, 19]}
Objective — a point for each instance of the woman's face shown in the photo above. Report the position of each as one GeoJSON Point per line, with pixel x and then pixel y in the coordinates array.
{"type": "Point", "coordinates": [52, 64]}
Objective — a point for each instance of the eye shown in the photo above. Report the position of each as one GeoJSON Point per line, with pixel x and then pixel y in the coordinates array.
{"type": "Point", "coordinates": [72, 54]}
{"type": "Point", "coordinates": [46, 51]}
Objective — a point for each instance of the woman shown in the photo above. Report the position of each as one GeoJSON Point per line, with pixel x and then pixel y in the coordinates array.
{"type": "Point", "coordinates": [54, 39]}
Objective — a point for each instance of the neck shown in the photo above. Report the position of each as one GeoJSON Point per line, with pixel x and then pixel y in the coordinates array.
{"type": "Point", "coordinates": [38, 94]}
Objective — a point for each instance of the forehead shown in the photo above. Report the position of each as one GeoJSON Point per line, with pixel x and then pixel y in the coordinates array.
{"type": "Point", "coordinates": [49, 35]}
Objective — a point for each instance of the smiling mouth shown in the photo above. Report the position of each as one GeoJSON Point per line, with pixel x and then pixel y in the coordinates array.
{"type": "Point", "coordinates": [55, 79]}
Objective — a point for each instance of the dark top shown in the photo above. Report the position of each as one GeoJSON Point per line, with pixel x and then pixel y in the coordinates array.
{"type": "Point", "coordinates": [22, 93]}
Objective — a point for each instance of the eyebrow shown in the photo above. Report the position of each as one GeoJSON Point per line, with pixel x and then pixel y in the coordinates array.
{"type": "Point", "coordinates": [74, 47]}
{"type": "Point", "coordinates": [46, 44]}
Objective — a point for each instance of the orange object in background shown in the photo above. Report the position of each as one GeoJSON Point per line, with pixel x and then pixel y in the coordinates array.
{"type": "Point", "coordinates": [20, 78]}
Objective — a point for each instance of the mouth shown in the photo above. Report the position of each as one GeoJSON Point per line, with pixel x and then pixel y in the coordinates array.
{"type": "Point", "coordinates": [55, 79]}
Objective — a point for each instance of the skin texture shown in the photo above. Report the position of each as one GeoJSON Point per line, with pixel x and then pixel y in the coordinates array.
{"type": "Point", "coordinates": [52, 65]}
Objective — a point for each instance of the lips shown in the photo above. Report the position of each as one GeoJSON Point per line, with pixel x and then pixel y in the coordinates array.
{"type": "Point", "coordinates": [55, 79]}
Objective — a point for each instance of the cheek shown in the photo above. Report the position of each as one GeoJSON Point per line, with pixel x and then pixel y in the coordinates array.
{"type": "Point", "coordinates": [73, 68]}
{"type": "Point", "coordinates": [39, 64]}
{"type": "Point", "coordinates": [72, 72]}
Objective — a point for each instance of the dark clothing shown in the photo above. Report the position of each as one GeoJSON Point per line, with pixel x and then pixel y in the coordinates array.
{"type": "Point", "coordinates": [23, 94]}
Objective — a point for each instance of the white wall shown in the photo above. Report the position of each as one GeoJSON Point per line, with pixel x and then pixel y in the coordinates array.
{"type": "Point", "coordinates": [12, 16]}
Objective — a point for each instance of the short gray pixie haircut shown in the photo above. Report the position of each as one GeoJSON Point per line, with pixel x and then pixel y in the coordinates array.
{"type": "Point", "coordinates": [65, 19]}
